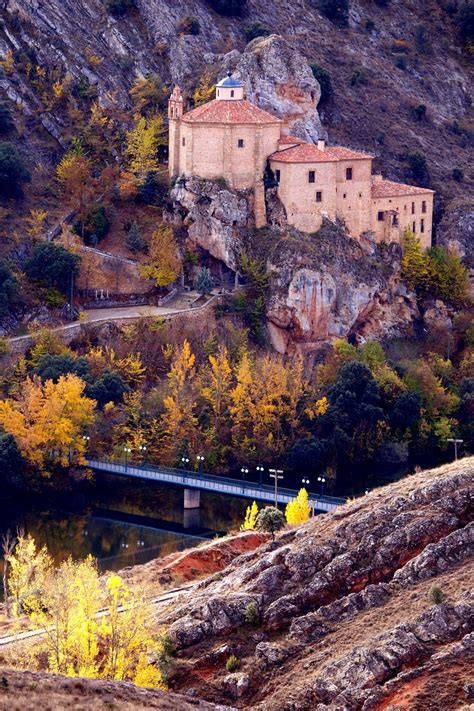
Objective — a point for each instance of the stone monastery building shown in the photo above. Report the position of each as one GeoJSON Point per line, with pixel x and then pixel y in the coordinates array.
{"type": "Point", "coordinates": [233, 139]}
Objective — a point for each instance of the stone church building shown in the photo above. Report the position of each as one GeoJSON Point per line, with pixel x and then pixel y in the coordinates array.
{"type": "Point", "coordinates": [232, 139]}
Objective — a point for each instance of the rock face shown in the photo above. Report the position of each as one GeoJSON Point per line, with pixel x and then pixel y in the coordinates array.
{"type": "Point", "coordinates": [278, 79]}
{"type": "Point", "coordinates": [326, 286]}
{"type": "Point", "coordinates": [345, 600]}
{"type": "Point", "coordinates": [456, 229]}
{"type": "Point", "coordinates": [215, 216]}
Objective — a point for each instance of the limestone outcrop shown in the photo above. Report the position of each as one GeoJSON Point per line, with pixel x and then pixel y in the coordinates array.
{"type": "Point", "coordinates": [346, 600]}
{"type": "Point", "coordinates": [215, 216]}
{"type": "Point", "coordinates": [277, 78]}
{"type": "Point", "coordinates": [456, 229]}
{"type": "Point", "coordinates": [327, 286]}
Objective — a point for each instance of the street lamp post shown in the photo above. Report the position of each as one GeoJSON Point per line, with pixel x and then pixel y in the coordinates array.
{"type": "Point", "coordinates": [455, 442]}
{"type": "Point", "coordinates": [127, 451]}
{"type": "Point", "coordinates": [260, 471]}
{"type": "Point", "coordinates": [142, 449]}
{"type": "Point", "coordinates": [86, 440]}
{"type": "Point", "coordinates": [244, 471]}
{"type": "Point", "coordinates": [185, 462]}
{"type": "Point", "coordinates": [322, 481]}
{"type": "Point", "coordinates": [200, 460]}
{"type": "Point", "coordinates": [276, 474]}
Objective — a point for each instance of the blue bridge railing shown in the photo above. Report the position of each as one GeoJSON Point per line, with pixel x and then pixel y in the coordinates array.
{"type": "Point", "coordinates": [209, 482]}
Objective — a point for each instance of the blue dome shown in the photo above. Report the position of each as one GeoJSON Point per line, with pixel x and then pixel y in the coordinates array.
{"type": "Point", "coordinates": [230, 81]}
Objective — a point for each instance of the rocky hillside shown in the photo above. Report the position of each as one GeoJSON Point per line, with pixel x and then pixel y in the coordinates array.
{"type": "Point", "coordinates": [392, 57]}
{"type": "Point", "coordinates": [369, 607]}
{"type": "Point", "coordinates": [346, 619]}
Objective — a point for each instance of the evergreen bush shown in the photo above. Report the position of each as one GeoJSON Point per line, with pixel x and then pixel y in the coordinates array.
{"type": "Point", "coordinates": [323, 77]}
{"type": "Point", "coordinates": [13, 172]}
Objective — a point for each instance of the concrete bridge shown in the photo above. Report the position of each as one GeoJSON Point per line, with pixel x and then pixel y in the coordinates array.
{"type": "Point", "coordinates": [195, 482]}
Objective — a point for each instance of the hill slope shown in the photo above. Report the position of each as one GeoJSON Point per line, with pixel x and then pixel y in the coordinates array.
{"type": "Point", "coordinates": [346, 620]}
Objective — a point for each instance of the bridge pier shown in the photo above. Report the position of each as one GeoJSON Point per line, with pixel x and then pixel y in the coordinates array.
{"type": "Point", "coordinates": [192, 498]}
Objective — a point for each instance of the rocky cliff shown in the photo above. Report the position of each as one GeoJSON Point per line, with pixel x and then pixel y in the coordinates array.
{"type": "Point", "coordinates": [346, 619]}
{"type": "Point", "coordinates": [322, 286]}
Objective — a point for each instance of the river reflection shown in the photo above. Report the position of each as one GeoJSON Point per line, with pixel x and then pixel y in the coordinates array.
{"type": "Point", "coordinates": [120, 522]}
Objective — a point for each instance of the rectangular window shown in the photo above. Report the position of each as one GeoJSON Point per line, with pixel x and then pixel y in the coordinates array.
{"type": "Point", "coordinates": [311, 176]}
{"type": "Point", "coordinates": [240, 143]}
{"type": "Point", "coordinates": [277, 175]}
{"type": "Point", "coordinates": [414, 227]}
{"type": "Point", "coordinates": [395, 220]}
{"type": "Point", "coordinates": [413, 208]}
{"type": "Point", "coordinates": [381, 216]}
{"type": "Point", "coordinates": [422, 226]}
{"type": "Point", "coordinates": [319, 196]}
{"type": "Point", "coordinates": [423, 206]}
{"type": "Point", "coordinates": [348, 173]}
{"type": "Point", "coordinates": [184, 141]}
{"type": "Point", "coordinates": [232, 93]}
{"type": "Point", "coordinates": [344, 196]}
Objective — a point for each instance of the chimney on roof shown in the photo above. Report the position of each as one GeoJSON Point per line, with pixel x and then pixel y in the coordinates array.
{"type": "Point", "coordinates": [377, 178]}
{"type": "Point", "coordinates": [321, 144]}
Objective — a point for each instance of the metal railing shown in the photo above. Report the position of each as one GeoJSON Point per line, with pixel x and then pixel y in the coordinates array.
{"type": "Point", "coordinates": [209, 482]}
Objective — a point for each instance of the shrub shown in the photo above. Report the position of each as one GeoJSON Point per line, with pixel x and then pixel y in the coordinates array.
{"type": "Point", "coordinates": [109, 387]}
{"type": "Point", "coordinates": [52, 265]}
{"type": "Point", "coordinates": [119, 8]}
{"type": "Point", "coordinates": [421, 37]}
{"type": "Point", "coordinates": [204, 282]}
{"type": "Point", "coordinates": [94, 227]}
{"type": "Point", "coordinates": [6, 121]}
{"type": "Point", "coordinates": [252, 616]}
{"type": "Point", "coordinates": [256, 29]}
{"type": "Point", "coordinates": [229, 8]}
{"type": "Point", "coordinates": [417, 167]}
{"type": "Point", "coordinates": [458, 174]}
{"type": "Point", "coordinates": [419, 112]}
{"type": "Point", "coordinates": [323, 77]}
{"type": "Point", "coordinates": [358, 77]}
{"type": "Point", "coordinates": [435, 595]}
{"type": "Point", "coordinates": [134, 240]}
{"type": "Point", "coordinates": [8, 288]}
{"type": "Point", "coordinates": [13, 172]}
{"type": "Point", "coordinates": [149, 191]}
{"type": "Point", "coordinates": [53, 298]}
{"type": "Point", "coordinates": [232, 664]}
{"type": "Point", "coordinates": [52, 367]}
{"type": "Point", "coordinates": [400, 61]}
{"type": "Point", "coordinates": [464, 20]}
{"type": "Point", "coordinates": [368, 24]}
{"type": "Point", "coordinates": [189, 25]}
{"type": "Point", "coordinates": [335, 10]}
{"type": "Point", "coordinates": [270, 520]}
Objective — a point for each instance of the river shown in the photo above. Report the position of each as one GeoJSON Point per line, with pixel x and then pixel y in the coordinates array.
{"type": "Point", "coordinates": [120, 522]}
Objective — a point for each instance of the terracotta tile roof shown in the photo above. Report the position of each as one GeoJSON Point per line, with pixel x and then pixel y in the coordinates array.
{"type": "Point", "coordinates": [228, 112]}
{"type": "Point", "coordinates": [310, 153]}
{"type": "Point", "coordinates": [385, 188]}
{"type": "Point", "coordinates": [290, 139]}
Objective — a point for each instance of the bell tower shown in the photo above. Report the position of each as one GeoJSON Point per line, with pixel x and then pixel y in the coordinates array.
{"type": "Point", "coordinates": [175, 112]}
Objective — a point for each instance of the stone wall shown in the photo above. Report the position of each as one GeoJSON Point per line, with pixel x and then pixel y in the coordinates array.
{"type": "Point", "coordinates": [409, 211]}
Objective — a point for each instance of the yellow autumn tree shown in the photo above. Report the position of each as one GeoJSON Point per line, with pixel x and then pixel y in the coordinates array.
{"type": "Point", "coordinates": [215, 391]}
{"type": "Point", "coordinates": [143, 142]}
{"type": "Point", "coordinates": [28, 569]}
{"type": "Point", "coordinates": [48, 420]}
{"type": "Point", "coordinates": [179, 419]}
{"type": "Point", "coordinates": [36, 223]}
{"type": "Point", "coordinates": [74, 174]}
{"type": "Point", "coordinates": [127, 636]}
{"type": "Point", "coordinates": [298, 510]}
{"type": "Point", "coordinates": [205, 90]}
{"type": "Point", "coordinates": [93, 629]}
{"type": "Point", "coordinates": [250, 521]}
{"type": "Point", "coordinates": [241, 406]}
{"type": "Point", "coordinates": [163, 264]}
